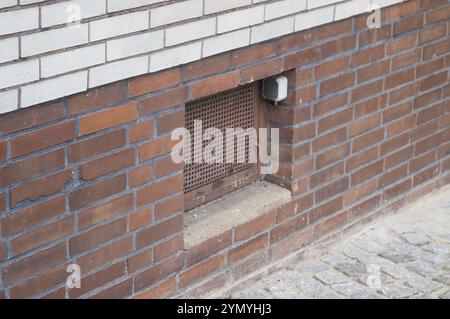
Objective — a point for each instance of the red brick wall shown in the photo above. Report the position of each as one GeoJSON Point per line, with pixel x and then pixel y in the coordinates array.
{"type": "Point", "coordinates": [89, 180]}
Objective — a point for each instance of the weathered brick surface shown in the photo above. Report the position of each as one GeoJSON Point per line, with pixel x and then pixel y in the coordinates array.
{"type": "Point", "coordinates": [90, 178]}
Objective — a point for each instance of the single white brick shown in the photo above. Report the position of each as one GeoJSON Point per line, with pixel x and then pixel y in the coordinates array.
{"type": "Point", "coordinates": [213, 6]}
{"type": "Point", "coordinates": [240, 19]}
{"type": "Point", "coordinates": [272, 30]}
{"type": "Point", "coordinates": [7, 3]}
{"type": "Point", "coordinates": [53, 89]}
{"type": "Point", "coordinates": [119, 25]}
{"type": "Point", "coordinates": [321, 3]}
{"type": "Point", "coordinates": [19, 73]}
{"type": "Point", "coordinates": [135, 45]}
{"type": "Point", "coordinates": [226, 42]}
{"type": "Point", "coordinates": [119, 5]}
{"type": "Point", "coordinates": [314, 18]}
{"type": "Point", "coordinates": [19, 20]}
{"type": "Point", "coordinates": [24, 2]}
{"type": "Point", "coordinates": [284, 8]}
{"type": "Point", "coordinates": [70, 11]}
{"type": "Point", "coordinates": [52, 40]}
{"type": "Point", "coordinates": [351, 8]}
{"type": "Point", "coordinates": [176, 12]}
{"type": "Point", "coordinates": [9, 49]}
{"type": "Point", "coordinates": [9, 101]}
{"type": "Point", "coordinates": [176, 56]}
{"type": "Point", "coordinates": [385, 3]}
{"type": "Point", "coordinates": [190, 31]}
{"type": "Point", "coordinates": [72, 60]}
{"type": "Point", "coordinates": [117, 71]}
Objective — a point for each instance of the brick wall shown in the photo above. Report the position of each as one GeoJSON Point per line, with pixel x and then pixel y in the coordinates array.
{"type": "Point", "coordinates": [88, 179]}
{"type": "Point", "coordinates": [44, 57]}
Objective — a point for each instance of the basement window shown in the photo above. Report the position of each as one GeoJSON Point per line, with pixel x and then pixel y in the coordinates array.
{"type": "Point", "coordinates": [240, 109]}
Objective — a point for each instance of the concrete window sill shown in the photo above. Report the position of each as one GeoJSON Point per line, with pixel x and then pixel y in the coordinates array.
{"type": "Point", "coordinates": [232, 210]}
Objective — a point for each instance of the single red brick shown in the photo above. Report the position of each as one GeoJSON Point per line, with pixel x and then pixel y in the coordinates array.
{"type": "Point", "coordinates": [140, 218]}
{"type": "Point", "coordinates": [331, 224]}
{"type": "Point", "coordinates": [333, 189]}
{"type": "Point", "coordinates": [122, 290]}
{"type": "Point", "coordinates": [97, 236]}
{"type": "Point", "coordinates": [433, 81]}
{"type": "Point", "coordinates": [140, 131]}
{"type": "Point", "coordinates": [139, 260]}
{"type": "Point", "coordinates": [326, 175]}
{"type": "Point", "coordinates": [330, 104]}
{"type": "Point", "coordinates": [140, 175]}
{"type": "Point", "coordinates": [258, 225]}
{"type": "Point", "coordinates": [208, 248]}
{"type": "Point", "coordinates": [334, 138]}
{"type": "Point", "coordinates": [433, 50]}
{"type": "Point", "coordinates": [362, 159]}
{"type": "Point", "coordinates": [206, 67]}
{"type": "Point", "coordinates": [397, 190]}
{"type": "Point", "coordinates": [105, 211]}
{"type": "Point", "coordinates": [358, 192]}
{"type": "Point", "coordinates": [393, 176]}
{"type": "Point", "coordinates": [153, 82]}
{"type": "Point", "coordinates": [399, 157]}
{"type": "Point", "coordinates": [168, 248]}
{"type": "Point", "coordinates": [168, 122]}
{"type": "Point", "coordinates": [99, 279]}
{"type": "Point", "coordinates": [252, 54]}
{"type": "Point", "coordinates": [215, 84]}
{"type": "Point", "coordinates": [161, 290]}
{"type": "Point", "coordinates": [288, 227]}
{"type": "Point", "coordinates": [403, 43]}
{"type": "Point", "coordinates": [96, 145]}
{"type": "Point", "coordinates": [99, 190]}
{"type": "Point", "coordinates": [155, 148]}
{"type": "Point", "coordinates": [106, 165]}
{"type": "Point", "coordinates": [338, 46]}
{"type": "Point", "coordinates": [153, 275]}
{"type": "Point", "coordinates": [106, 255]}
{"type": "Point", "coordinates": [159, 231]}
{"type": "Point", "coordinates": [368, 55]}
{"type": "Point", "coordinates": [408, 24]}
{"type": "Point", "coordinates": [335, 120]}
{"type": "Point", "coordinates": [331, 156]}
{"type": "Point", "coordinates": [163, 101]}
{"type": "Point", "coordinates": [3, 151]}
{"type": "Point", "coordinates": [406, 59]}
{"type": "Point", "coordinates": [431, 34]}
{"type": "Point", "coordinates": [107, 118]}
{"type": "Point", "coordinates": [166, 166]}
{"type": "Point", "coordinates": [373, 70]}
{"type": "Point", "coordinates": [97, 98]}
{"type": "Point", "coordinates": [364, 124]}
{"type": "Point", "coordinates": [399, 78]}
{"type": "Point", "coordinates": [367, 173]}
{"type": "Point", "coordinates": [169, 207]}
{"type": "Point", "coordinates": [43, 138]}
{"type": "Point", "coordinates": [334, 29]}
{"type": "Point", "coordinates": [200, 271]}
{"type": "Point", "coordinates": [337, 83]}
{"type": "Point", "coordinates": [367, 90]}
{"type": "Point", "coordinates": [399, 126]}
{"type": "Point", "coordinates": [248, 248]}
{"type": "Point", "coordinates": [301, 58]}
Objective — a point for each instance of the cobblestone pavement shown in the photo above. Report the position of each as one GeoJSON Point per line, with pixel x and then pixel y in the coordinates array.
{"type": "Point", "coordinates": [406, 255]}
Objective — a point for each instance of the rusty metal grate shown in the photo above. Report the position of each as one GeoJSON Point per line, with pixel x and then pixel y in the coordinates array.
{"type": "Point", "coordinates": [232, 109]}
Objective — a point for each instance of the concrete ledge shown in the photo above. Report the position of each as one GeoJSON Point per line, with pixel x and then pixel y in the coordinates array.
{"type": "Point", "coordinates": [234, 209]}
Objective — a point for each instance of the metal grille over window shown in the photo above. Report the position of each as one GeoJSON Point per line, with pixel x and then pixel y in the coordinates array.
{"type": "Point", "coordinates": [232, 109]}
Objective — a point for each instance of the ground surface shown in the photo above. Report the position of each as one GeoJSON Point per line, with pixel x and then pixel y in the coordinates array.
{"type": "Point", "coordinates": [406, 255]}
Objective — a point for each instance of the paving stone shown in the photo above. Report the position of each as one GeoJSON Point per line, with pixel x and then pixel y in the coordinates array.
{"type": "Point", "coordinates": [331, 277]}
{"type": "Point", "coordinates": [282, 289]}
{"type": "Point", "coordinates": [335, 259]}
{"type": "Point", "coordinates": [438, 248]}
{"type": "Point", "coordinates": [398, 292]}
{"type": "Point", "coordinates": [354, 291]}
{"type": "Point", "coordinates": [423, 285]}
{"type": "Point", "coordinates": [309, 286]}
{"type": "Point", "coordinates": [423, 268]}
{"type": "Point", "coordinates": [392, 269]}
{"type": "Point", "coordinates": [311, 266]}
{"type": "Point", "coordinates": [435, 258]}
{"type": "Point", "coordinates": [358, 254]}
{"type": "Point", "coordinates": [397, 257]}
{"type": "Point", "coordinates": [252, 294]}
{"type": "Point", "coordinates": [416, 238]}
{"type": "Point", "coordinates": [369, 245]}
{"type": "Point", "coordinates": [443, 278]}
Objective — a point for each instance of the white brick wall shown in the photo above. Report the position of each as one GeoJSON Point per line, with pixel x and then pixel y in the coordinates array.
{"type": "Point", "coordinates": [50, 49]}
